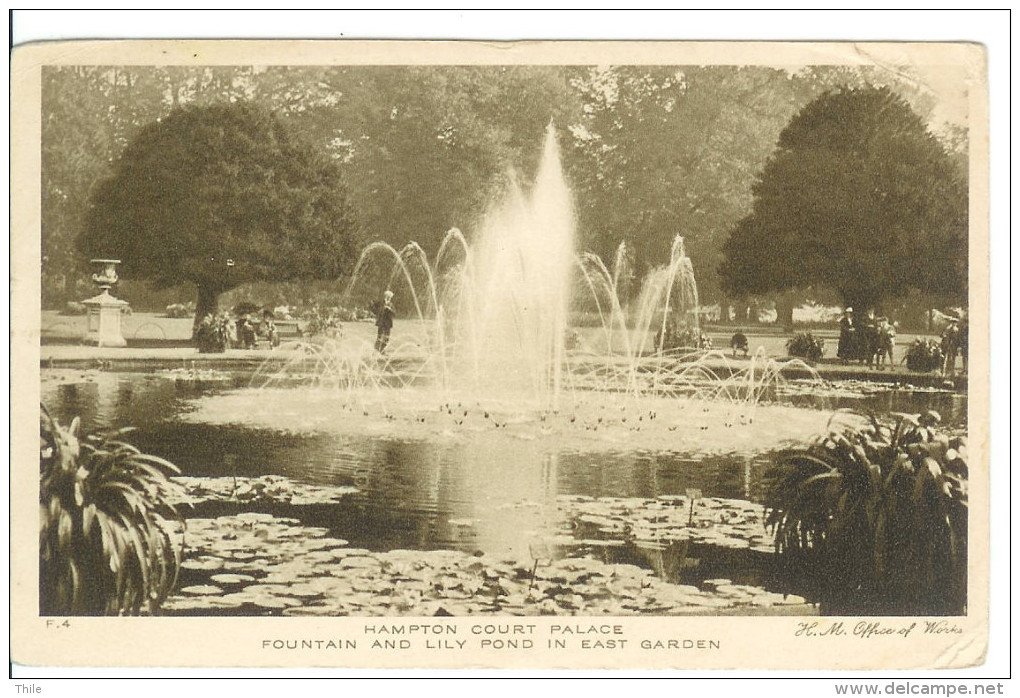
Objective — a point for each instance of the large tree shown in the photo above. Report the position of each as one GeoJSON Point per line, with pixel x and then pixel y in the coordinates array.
{"type": "Point", "coordinates": [221, 195]}
{"type": "Point", "coordinates": [858, 197]}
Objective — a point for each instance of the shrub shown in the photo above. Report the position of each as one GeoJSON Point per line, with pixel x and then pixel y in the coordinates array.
{"type": "Point", "coordinates": [74, 308]}
{"type": "Point", "coordinates": [682, 337]}
{"type": "Point", "coordinates": [213, 334]}
{"type": "Point", "coordinates": [105, 544]}
{"type": "Point", "coordinates": [924, 355]}
{"type": "Point", "coordinates": [322, 321]}
{"type": "Point", "coordinates": [180, 310]}
{"type": "Point", "coordinates": [246, 308]}
{"type": "Point", "coordinates": [873, 520]}
{"type": "Point", "coordinates": [806, 346]}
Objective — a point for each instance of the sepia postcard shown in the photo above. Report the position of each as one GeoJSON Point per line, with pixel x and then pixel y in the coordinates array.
{"type": "Point", "coordinates": [451, 354]}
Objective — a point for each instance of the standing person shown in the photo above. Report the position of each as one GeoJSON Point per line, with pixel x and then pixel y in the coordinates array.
{"type": "Point", "coordinates": [384, 322]}
{"type": "Point", "coordinates": [886, 342]}
{"type": "Point", "coordinates": [950, 345]}
{"type": "Point", "coordinates": [246, 329]}
{"type": "Point", "coordinates": [267, 328]}
{"type": "Point", "coordinates": [867, 339]}
{"type": "Point", "coordinates": [846, 348]}
{"type": "Point", "coordinates": [231, 332]}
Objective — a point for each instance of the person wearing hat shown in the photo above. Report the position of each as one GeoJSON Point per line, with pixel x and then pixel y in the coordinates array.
{"type": "Point", "coordinates": [847, 330]}
{"type": "Point", "coordinates": [384, 322]}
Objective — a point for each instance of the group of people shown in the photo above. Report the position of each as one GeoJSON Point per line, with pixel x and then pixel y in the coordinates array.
{"type": "Point", "coordinates": [249, 331]}
{"type": "Point", "coordinates": [866, 339]}
{"type": "Point", "coordinates": [872, 340]}
{"type": "Point", "coordinates": [243, 332]}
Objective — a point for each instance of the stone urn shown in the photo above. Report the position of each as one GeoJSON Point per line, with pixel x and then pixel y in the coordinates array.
{"type": "Point", "coordinates": [104, 312]}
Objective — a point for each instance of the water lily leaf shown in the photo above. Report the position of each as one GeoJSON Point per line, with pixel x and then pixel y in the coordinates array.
{"type": "Point", "coordinates": [201, 590]}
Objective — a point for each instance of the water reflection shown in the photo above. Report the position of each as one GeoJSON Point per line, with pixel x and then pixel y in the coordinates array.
{"type": "Point", "coordinates": [474, 496]}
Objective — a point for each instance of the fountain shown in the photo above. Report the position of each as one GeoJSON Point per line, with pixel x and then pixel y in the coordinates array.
{"type": "Point", "coordinates": [514, 295]}
{"type": "Point", "coordinates": [490, 318]}
{"type": "Point", "coordinates": [494, 314]}
{"type": "Point", "coordinates": [485, 433]}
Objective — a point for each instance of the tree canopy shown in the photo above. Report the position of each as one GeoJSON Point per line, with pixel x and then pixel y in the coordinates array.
{"type": "Point", "coordinates": [859, 197]}
{"type": "Point", "coordinates": [649, 151]}
{"type": "Point", "coordinates": [221, 195]}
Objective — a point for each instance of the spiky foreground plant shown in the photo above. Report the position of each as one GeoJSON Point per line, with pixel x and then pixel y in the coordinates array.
{"type": "Point", "coordinates": [106, 546]}
{"type": "Point", "coordinates": [873, 520]}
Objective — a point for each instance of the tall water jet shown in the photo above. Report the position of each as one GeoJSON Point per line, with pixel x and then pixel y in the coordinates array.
{"type": "Point", "coordinates": [487, 319]}
{"type": "Point", "coordinates": [512, 327]}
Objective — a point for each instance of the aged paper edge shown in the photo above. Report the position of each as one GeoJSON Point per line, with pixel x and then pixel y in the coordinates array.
{"type": "Point", "coordinates": [747, 642]}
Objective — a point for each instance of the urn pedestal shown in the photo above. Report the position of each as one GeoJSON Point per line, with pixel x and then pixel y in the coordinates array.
{"type": "Point", "coordinates": [104, 312]}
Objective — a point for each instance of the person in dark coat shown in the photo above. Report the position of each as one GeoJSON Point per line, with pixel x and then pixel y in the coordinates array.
{"type": "Point", "coordinates": [246, 328]}
{"type": "Point", "coordinates": [845, 350]}
{"type": "Point", "coordinates": [738, 342]}
{"type": "Point", "coordinates": [867, 339]}
{"type": "Point", "coordinates": [384, 322]}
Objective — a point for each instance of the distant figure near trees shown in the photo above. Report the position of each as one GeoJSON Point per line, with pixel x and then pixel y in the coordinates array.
{"type": "Point", "coordinates": [246, 330]}
{"type": "Point", "coordinates": [886, 343]}
{"type": "Point", "coordinates": [868, 340]}
{"type": "Point", "coordinates": [950, 346]}
{"type": "Point", "coordinates": [847, 336]}
{"type": "Point", "coordinates": [738, 342]}
{"type": "Point", "coordinates": [867, 336]}
{"type": "Point", "coordinates": [267, 329]}
{"type": "Point", "coordinates": [384, 322]}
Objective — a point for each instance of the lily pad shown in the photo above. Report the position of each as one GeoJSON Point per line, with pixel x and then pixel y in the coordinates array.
{"type": "Point", "coordinates": [201, 590]}
{"type": "Point", "coordinates": [202, 564]}
{"type": "Point", "coordinates": [228, 578]}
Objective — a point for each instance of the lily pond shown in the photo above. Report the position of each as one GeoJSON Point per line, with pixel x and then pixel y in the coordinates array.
{"type": "Point", "coordinates": [405, 502]}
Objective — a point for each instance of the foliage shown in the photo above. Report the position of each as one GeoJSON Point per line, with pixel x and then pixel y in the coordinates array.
{"type": "Point", "coordinates": [221, 195]}
{"type": "Point", "coordinates": [74, 308]}
{"type": "Point", "coordinates": [924, 355]}
{"type": "Point", "coordinates": [874, 519]}
{"type": "Point", "coordinates": [180, 310]}
{"type": "Point", "coordinates": [672, 149]}
{"type": "Point", "coordinates": [246, 308]}
{"type": "Point", "coordinates": [282, 312]}
{"type": "Point", "coordinates": [680, 336]}
{"type": "Point", "coordinates": [859, 196]}
{"type": "Point", "coordinates": [105, 543]}
{"type": "Point", "coordinates": [806, 346]}
{"type": "Point", "coordinates": [321, 320]}
{"type": "Point", "coordinates": [213, 334]}
{"type": "Point", "coordinates": [429, 148]}
{"type": "Point", "coordinates": [650, 151]}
